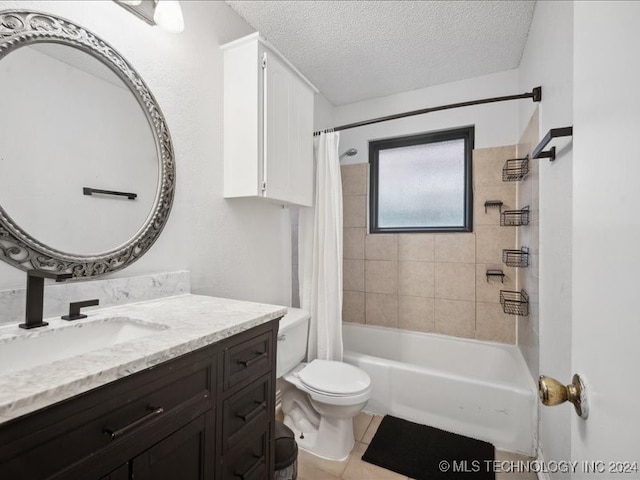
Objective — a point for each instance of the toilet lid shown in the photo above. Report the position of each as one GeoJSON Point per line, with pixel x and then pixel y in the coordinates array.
{"type": "Point", "coordinates": [335, 378]}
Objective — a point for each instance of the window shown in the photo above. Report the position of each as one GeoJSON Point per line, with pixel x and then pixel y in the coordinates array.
{"type": "Point", "coordinates": [422, 183]}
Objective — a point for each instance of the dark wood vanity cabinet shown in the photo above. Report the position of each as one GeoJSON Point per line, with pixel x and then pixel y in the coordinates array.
{"type": "Point", "coordinates": [205, 415]}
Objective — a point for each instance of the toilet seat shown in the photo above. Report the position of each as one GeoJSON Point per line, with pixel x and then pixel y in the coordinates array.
{"type": "Point", "coordinates": [334, 379]}
{"type": "Point", "coordinates": [320, 375]}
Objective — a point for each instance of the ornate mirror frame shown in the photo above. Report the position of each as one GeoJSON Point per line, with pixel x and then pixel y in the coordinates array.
{"type": "Point", "coordinates": [19, 28]}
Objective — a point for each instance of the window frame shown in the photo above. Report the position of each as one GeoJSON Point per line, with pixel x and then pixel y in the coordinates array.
{"type": "Point", "coordinates": [465, 133]}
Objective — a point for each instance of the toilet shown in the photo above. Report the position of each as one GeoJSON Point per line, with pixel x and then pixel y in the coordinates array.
{"type": "Point", "coordinates": [319, 398]}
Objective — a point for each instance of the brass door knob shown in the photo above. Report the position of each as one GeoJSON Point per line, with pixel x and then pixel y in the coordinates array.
{"type": "Point", "coordinates": [552, 392]}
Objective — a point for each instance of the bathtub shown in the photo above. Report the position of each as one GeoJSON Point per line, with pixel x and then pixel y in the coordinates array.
{"type": "Point", "coordinates": [478, 389]}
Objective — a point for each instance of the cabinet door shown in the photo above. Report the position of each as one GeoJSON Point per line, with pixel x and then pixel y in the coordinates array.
{"type": "Point", "coordinates": [278, 96]}
{"type": "Point", "coordinates": [288, 137]}
{"type": "Point", "coordinates": [187, 454]}
{"type": "Point", "coordinates": [301, 191]}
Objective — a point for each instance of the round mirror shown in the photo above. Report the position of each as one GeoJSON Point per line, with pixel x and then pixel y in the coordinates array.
{"type": "Point", "coordinates": [86, 161]}
{"type": "Point", "coordinates": [84, 132]}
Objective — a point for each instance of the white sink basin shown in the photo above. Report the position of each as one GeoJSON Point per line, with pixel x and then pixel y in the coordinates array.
{"type": "Point", "coordinates": [49, 344]}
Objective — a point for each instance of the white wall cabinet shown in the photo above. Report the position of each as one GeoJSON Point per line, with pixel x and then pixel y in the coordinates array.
{"type": "Point", "coordinates": [268, 125]}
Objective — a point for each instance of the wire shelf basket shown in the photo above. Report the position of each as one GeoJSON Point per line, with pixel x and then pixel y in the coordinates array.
{"type": "Point", "coordinates": [516, 258]}
{"type": "Point", "coordinates": [515, 218]}
{"type": "Point", "coordinates": [515, 303]}
{"type": "Point", "coordinates": [515, 169]}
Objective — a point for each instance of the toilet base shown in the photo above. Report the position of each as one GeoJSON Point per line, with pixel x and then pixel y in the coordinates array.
{"type": "Point", "coordinates": [332, 440]}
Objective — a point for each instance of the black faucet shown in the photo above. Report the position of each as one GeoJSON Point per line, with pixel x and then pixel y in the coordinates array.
{"type": "Point", "coordinates": [35, 296]}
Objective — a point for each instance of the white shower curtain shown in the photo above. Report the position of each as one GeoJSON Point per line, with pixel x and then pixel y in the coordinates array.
{"type": "Point", "coordinates": [320, 247]}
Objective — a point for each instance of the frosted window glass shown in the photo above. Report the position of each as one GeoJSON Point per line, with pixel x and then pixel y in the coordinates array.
{"type": "Point", "coordinates": [422, 185]}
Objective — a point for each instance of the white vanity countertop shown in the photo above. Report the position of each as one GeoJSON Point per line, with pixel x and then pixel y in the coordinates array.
{"type": "Point", "coordinates": [190, 321]}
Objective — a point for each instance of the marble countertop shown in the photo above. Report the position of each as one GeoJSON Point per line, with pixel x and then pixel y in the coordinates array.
{"type": "Point", "coordinates": [184, 323]}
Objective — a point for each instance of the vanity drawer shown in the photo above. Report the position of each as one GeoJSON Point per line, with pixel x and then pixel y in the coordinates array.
{"type": "Point", "coordinates": [247, 360]}
{"type": "Point", "coordinates": [245, 410]}
{"type": "Point", "coordinates": [248, 462]}
{"type": "Point", "coordinates": [107, 423]}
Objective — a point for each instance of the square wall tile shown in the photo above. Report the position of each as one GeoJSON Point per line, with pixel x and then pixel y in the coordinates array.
{"type": "Point", "coordinates": [493, 324]}
{"type": "Point", "coordinates": [353, 307]}
{"type": "Point", "coordinates": [488, 163]}
{"type": "Point", "coordinates": [353, 275]}
{"type": "Point", "coordinates": [490, 241]}
{"type": "Point", "coordinates": [381, 276]}
{"type": "Point", "coordinates": [355, 211]}
{"type": "Point", "coordinates": [455, 281]}
{"type": "Point", "coordinates": [354, 179]}
{"type": "Point", "coordinates": [505, 192]}
{"type": "Point", "coordinates": [529, 236]}
{"type": "Point", "coordinates": [381, 309]}
{"type": "Point", "coordinates": [416, 279]}
{"type": "Point", "coordinates": [528, 190]}
{"type": "Point", "coordinates": [455, 247]}
{"type": "Point", "coordinates": [416, 313]}
{"type": "Point", "coordinates": [457, 318]}
{"type": "Point", "coordinates": [353, 246]}
{"type": "Point", "coordinates": [488, 290]}
{"type": "Point", "coordinates": [381, 247]}
{"type": "Point", "coordinates": [525, 196]}
{"type": "Point", "coordinates": [416, 247]}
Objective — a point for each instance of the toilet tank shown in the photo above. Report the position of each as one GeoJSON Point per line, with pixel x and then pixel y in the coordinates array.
{"type": "Point", "coordinates": [292, 340]}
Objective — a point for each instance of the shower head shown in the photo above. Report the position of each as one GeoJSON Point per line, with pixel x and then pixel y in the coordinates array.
{"type": "Point", "coordinates": [351, 152]}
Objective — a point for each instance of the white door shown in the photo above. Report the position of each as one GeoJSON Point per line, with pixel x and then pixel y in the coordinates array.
{"type": "Point", "coordinates": [606, 236]}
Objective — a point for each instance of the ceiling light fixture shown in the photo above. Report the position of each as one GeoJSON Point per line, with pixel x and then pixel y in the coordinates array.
{"type": "Point", "coordinates": [167, 14]}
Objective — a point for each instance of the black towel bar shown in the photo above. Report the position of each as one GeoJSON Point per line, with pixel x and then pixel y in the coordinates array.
{"type": "Point", "coordinates": [539, 151]}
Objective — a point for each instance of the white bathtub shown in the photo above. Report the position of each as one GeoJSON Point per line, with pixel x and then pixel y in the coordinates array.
{"type": "Point", "coordinates": [478, 389]}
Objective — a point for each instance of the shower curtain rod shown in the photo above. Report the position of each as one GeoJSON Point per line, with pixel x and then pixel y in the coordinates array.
{"type": "Point", "coordinates": [535, 95]}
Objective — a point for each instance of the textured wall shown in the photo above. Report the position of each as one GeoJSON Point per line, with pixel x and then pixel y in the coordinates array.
{"type": "Point", "coordinates": [233, 248]}
{"type": "Point", "coordinates": [431, 282]}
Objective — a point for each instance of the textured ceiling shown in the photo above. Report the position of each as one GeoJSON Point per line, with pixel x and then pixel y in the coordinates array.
{"type": "Point", "coordinates": [355, 50]}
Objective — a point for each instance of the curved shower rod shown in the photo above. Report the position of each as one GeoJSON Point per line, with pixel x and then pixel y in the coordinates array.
{"type": "Point", "coordinates": [535, 95]}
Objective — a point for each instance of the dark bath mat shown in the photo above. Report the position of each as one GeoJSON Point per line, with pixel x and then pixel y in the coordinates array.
{"type": "Point", "coordinates": [426, 453]}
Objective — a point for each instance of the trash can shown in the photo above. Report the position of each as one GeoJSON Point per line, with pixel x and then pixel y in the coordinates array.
{"type": "Point", "coordinates": [286, 453]}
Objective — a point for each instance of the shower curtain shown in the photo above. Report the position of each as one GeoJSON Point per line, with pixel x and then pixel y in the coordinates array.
{"type": "Point", "coordinates": [320, 247]}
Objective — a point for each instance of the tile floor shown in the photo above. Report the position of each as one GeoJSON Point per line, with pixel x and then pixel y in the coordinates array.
{"type": "Point", "coordinates": [311, 467]}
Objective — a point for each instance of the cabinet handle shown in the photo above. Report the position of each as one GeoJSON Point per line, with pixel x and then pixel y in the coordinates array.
{"type": "Point", "coordinates": [253, 413]}
{"type": "Point", "coordinates": [251, 470]}
{"type": "Point", "coordinates": [251, 361]}
{"type": "Point", "coordinates": [114, 434]}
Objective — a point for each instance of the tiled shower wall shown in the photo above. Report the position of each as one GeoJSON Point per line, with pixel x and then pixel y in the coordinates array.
{"type": "Point", "coordinates": [431, 282]}
{"type": "Point", "coordinates": [528, 278]}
